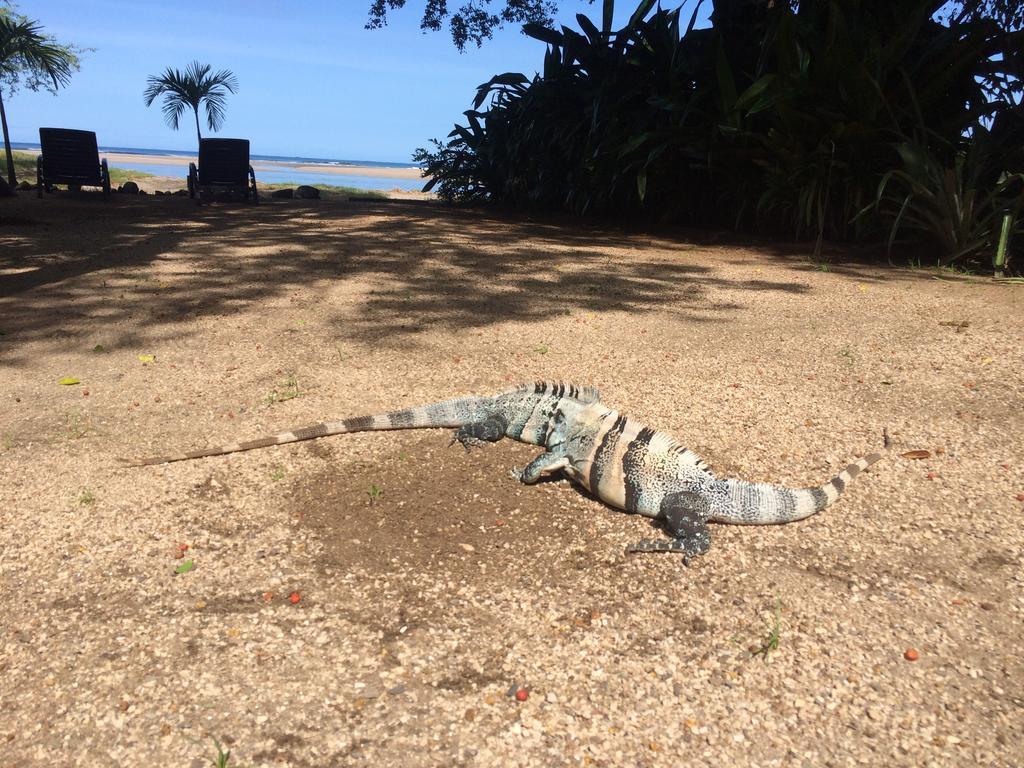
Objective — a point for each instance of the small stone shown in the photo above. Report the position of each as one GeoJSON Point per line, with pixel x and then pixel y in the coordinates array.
{"type": "Point", "coordinates": [467, 547]}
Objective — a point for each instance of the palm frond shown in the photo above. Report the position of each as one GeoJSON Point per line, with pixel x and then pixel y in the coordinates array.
{"type": "Point", "coordinates": [172, 109]}
{"type": "Point", "coordinates": [23, 45]}
{"type": "Point", "coordinates": [215, 103]}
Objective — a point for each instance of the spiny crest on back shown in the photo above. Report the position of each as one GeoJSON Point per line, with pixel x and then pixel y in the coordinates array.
{"type": "Point", "coordinates": [585, 394]}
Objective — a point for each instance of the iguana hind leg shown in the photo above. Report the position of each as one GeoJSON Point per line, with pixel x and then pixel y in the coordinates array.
{"type": "Point", "coordinates": [684, 514]}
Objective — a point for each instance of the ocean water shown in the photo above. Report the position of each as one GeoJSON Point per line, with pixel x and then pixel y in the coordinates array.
{"type": "Point", "coordinates": [266, 175]}
{"type": "Point", "coordinates": [270, 175]}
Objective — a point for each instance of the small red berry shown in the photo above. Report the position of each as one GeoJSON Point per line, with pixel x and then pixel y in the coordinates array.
{"type": "Point", "coordinates": [911, 654]}
{"type": "Point", "coordinates": [1020, 497]}
{"type": "Point", "coordinates": [295, 597]}
{"type": "Point", "coordinates": [522, 694]}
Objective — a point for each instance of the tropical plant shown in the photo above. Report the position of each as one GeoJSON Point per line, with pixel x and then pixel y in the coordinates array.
{"type": "Point", "coordinates": [194, 87]}
{"type": "Point", "coordinates": [31, 59]}
{"type": "Point", "coordinates": [957, 207]}
{"type": "Point", "coordinates": [780, 117]}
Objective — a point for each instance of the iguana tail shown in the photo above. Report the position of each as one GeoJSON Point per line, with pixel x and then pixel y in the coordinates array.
{"type": "Point", "coordinates": [453, 413]}
{"type": "Point", "coordinates": [744, 503]}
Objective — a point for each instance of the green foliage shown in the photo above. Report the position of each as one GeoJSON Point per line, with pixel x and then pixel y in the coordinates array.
{"type": "Point", "coordinates": [223, 757]}
{"type": "Point", "coordinates": [31, 59]}
{"type": "Point", "coordinates": [959, 206]}
{"type": "Point", "coordinates": [197, 86]}
{"type": "Point", "coordinates": [794, 118]}
{"type": "Point", "coordinates": [770, 642]}
{"type": "Point", "coordinates": [474, 20]}
{"type": "Point", "coordinates": [285, 390]}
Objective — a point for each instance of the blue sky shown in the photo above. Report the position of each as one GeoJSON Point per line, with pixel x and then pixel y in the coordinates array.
{"type": "Point", "coordinates": [313, 81]}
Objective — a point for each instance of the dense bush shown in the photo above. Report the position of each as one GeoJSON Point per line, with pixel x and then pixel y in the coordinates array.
{"type": "Point", "coordinates": [855, 120]}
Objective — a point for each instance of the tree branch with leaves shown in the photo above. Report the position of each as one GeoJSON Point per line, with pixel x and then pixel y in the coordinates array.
{"type": "Point", "coordinates": [30, 59]}
{"type": "Point", "coordinates": [474, 21]}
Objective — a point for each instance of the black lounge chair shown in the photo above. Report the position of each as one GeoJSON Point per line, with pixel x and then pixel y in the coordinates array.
{"type": "Point", "coordinates": [223, 167]}
{"type": "Point", "coordinates": [70, 157]}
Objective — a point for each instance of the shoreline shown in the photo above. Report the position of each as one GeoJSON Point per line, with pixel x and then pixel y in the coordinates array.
{"type": "Point", "coordinates": [182, 161]}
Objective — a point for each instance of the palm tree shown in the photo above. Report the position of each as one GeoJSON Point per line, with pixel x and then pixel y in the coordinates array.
{"type": "Point", "coordinates": [192, 88]}
{"type": "Point", "coordinates": [25, 51]}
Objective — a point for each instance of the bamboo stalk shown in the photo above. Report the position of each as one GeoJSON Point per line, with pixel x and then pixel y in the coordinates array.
{"type": "Point", "coordinates": [1004, 239]}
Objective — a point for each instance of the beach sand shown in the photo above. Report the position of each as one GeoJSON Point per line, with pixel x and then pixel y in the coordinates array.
{"type": "Point", "coordinates": [177, 173]}
{"type": "Point", "coordinates": [412, 172]}
{"type": "Point", "coordinates": [377, 599]}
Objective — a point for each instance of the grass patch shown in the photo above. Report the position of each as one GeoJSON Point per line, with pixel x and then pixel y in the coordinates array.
{"type": "Point", "coordinates": [285, 390]}
{"type": "Point", "coordinates": [76, 426]}
{"type": "Point", "coordinates": [121, 175]}
{"type": "Point", "coordinates": [770, 642]}
{"type": "Point", "coordinates": [25, 170]}
{"type": "Point", "coordinates": [25, 166]}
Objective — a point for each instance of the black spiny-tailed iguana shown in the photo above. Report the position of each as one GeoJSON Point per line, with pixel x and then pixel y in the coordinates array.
{"type": "Point", "coordinates": [619, 460]}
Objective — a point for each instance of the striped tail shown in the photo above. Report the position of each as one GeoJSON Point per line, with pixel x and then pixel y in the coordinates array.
{"type": "Point", "coordinates": [450, 413]}
{"type": "Point", "coordinates": [764, 504]}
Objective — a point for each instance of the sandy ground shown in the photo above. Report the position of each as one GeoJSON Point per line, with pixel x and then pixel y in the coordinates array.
{"type": "Point", "coordinates": [429, 584]}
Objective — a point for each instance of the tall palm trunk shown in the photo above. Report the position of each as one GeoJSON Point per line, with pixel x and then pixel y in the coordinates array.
{"type": "Point", "coordinates": [7, 145]}
{"type": "Point", "coordinates": [195, 108]}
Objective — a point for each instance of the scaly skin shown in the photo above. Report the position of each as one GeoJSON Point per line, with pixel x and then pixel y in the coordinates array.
{"type": "Point", "coordinates": [523, 414]}
{"type": "Point", "coordinates": [622, 462]}
{"type": "Point", "coordinates": [630, 466]}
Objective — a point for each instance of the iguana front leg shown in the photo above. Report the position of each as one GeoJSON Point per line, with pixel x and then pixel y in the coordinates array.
{"type": "Point", "coordinates": [490, 430]}
{"type": "Point", "coordinates": [545, 464]}
{"type": "Point", "coordinates": [684, 514]}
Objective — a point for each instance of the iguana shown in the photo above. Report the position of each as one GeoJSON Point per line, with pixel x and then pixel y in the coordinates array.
{"type": "Point", "coordinates": [622, 462]}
